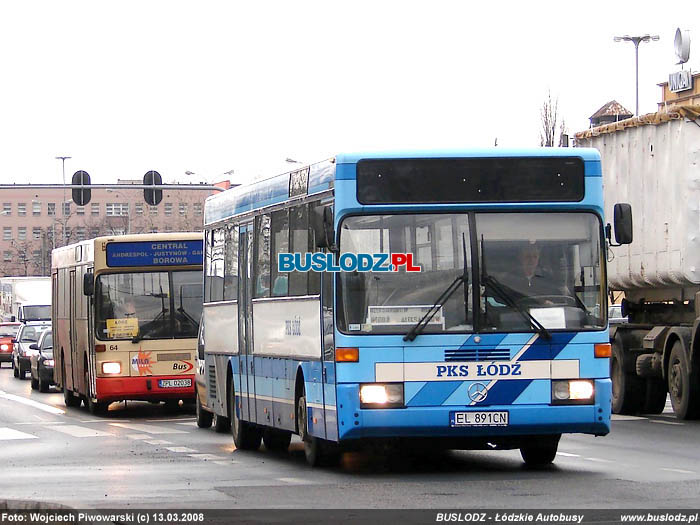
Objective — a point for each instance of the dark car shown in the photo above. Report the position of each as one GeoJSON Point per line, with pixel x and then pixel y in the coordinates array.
{"type": "Point", "coordinates": [41, 362]}
{"type": "Point", "coordinates": [8, 332]}
{"type": "Point", "coordinates": [28, 333]}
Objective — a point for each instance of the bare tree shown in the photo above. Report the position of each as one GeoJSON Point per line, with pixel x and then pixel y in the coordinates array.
{"type": "Point", "coordinates": [549, 115]}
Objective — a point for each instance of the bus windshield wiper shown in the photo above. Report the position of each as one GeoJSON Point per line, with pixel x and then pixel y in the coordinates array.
{"type": "Point", "coordinates": [491, 282]}
{"type": "Point", "coordinates": [423, 321]}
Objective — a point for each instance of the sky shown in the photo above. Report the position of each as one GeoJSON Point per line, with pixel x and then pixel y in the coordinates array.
{"type": "Point", "coordinates": [209, 87]}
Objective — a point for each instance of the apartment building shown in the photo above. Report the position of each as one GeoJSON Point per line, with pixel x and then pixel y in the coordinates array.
{"type": "Point", "coordinates": [35, 220]}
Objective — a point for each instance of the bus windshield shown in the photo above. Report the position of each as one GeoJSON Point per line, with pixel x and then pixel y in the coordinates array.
{"type": "Point", "coordinates": [148, 305]}
{"type": "Point", "coordinates": [541, 265]}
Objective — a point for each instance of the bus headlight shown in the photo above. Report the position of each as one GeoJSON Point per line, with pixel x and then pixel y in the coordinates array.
{"type": "Point", "coordinates": [4, 347]}
{"type": "Point", "coordinates": [381, 395]}
{"type": "Point", "coordinates": [111, 368]}
{"type": "Point", "coordinates": [48, 362]}
{"type": "Point", "coordinates": [573, 392]}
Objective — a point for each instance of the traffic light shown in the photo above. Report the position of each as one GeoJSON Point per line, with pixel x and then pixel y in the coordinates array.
{"type": "Point", "coordinates": [152, 197]}
{"type": "Point", "coordinates": [81, 196]}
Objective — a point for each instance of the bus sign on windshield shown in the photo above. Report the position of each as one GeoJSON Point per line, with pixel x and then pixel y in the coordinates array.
{"type": "Point", "coordinates": [154, 253]}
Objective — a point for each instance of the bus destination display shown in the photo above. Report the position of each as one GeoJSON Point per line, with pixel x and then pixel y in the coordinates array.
{"type": "Point", "coordinates": [156, 253]}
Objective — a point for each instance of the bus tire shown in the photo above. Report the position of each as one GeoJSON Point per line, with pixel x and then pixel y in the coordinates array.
{"type": "Point", "coordinates": [68, 398]}
{"type": "Point", "coordinates": [277, 439]}
{"type": "Point", "coordinates": [221, 423]}
{"type": "Point", "coordinates": [682, 384]}
{"type": "Point", "coordinates": [97, 408]}
{"type": "Point", "coordinates": [318, 451]}
{"type": "Point", "coordinates": [245, 435]}
{"type": "Point", "coordinates": [43, 386]}
{"type": "Point", "coordinates": [35, 383]}
{"type": "Point", "coordinates": [628, 390]}
{"type": "Point", "coordinates": [541, 451]}
{"type": "Point", "coordinates": [15, 372]}
{"type": "Point", "coordinates": [655, 401]}
{"type": "Point", "coordinates": [204, 417]}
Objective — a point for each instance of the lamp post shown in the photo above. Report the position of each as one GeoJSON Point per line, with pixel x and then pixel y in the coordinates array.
{"type": "Point", "coordinates": [636, 41]}
{"type": "Point", "coordinates": [63, 205]}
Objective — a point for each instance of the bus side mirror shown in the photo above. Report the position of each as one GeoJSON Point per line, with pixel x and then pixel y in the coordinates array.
{"type": "Point", "coordinates": [88, 284]}
{"type": "Point", "coordinates": [322, 223]}
{"type": "Point", "coordinates": [623, 223]}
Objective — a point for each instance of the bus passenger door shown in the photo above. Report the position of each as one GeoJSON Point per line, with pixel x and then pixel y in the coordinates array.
{"type": "Point", "coordinates": [246, 389]}
{"type": "Point", "coordinates": [76, 366]}
{"type": "Point", "coordinates": [328, 345]}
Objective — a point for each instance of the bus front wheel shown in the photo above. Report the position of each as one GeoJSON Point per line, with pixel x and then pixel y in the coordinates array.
{"type": "Point", "coordinates": [245, 435]}
{"type": "Point", "coordinates": [204, 417]}
{"type": "Point", "coordinates": [317, 451]}
{"type": "Point", "coordinates": [541, 451]}
{"type": "Point", "coordinates": [68, 398]}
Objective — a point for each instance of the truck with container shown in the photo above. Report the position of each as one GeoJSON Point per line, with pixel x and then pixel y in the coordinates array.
{"type": "Point", "coordinates": [25, 299]}
{"type": "Point", "coordinates": [651, 173]}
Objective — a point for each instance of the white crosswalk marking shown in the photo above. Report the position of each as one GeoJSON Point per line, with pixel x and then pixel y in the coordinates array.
{"type": "Point", "coordinates": [78, 431]}
{"type": "Point", "coordinates": [158, 442]}
{"type": "Point", "coordinates": [620, 417]}
{"type": "Point", "coordinates": [149, 429]}
{"type": "Point", "coordinates": [180, 449]}
{"type": "Point", "coordinates": [30, 402]}
{"type": "Point", "coordinates": [9, 433]}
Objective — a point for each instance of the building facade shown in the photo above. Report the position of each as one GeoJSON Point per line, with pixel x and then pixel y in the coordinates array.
{"type": "Point", "coordinates": [35, 220]}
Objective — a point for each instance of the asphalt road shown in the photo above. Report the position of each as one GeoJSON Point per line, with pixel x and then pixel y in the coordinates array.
{"type": "Point", "coordinates": [140, 456]}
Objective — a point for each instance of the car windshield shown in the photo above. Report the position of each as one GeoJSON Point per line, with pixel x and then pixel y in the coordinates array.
{"type": "Point", "coordinates": [47, 342]}
{"type": "Point", "coordinates": [8, 330]}
{"type": "Point", "coordinates": [148, 305]}
{"type": "Point", "coordinates": [30, 334]}
{"type": "Point", "coordinates": [533, 269]}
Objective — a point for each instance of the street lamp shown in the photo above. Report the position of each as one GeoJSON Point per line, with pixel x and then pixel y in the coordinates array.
{"type": "Point", "coordinates": [636, 40]}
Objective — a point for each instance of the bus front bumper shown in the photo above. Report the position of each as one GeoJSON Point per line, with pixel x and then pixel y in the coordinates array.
{"type": "Point", "coordinates": [145, 388]}
{"type": "Point", "coordinates": [435, 421]}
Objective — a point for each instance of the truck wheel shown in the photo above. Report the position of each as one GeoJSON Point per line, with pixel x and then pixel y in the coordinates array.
{"type": "Point", "coordinates": [628, 390]}
{"type": "Point", "coordinates": [682, 384]}
{"type": "Point", "coordinates": [655, 401]}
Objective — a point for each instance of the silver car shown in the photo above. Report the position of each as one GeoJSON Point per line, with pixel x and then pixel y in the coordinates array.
{"type": "Point", "coordinates": [28, 334]}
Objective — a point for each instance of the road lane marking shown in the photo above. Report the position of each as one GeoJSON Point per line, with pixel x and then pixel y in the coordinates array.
{"type": "Point", "coordinates": [206, 457]}
{"type": "Point", "coordinates": [149, 429]}
{"type": "Point", "coordinates": [225, 463]}
{"type": "Point", "coordinates": [171, 419]}
{"type": "Point", "coordinates": [665, 422]}
{"type": "Point", "coordinates": [598, 460]}
{"type": "Point", "coordinates": [567, 455]}
{"type": "Point", "coordinates": [9, 433]}
{"type": "Point", "coordinates": [78, 431]}
{"type": "Point", "coordinates": [620, 417]}
{"type": "Point", "coordinates": [30, 402]}
{"type": "Point", "coordinates": [138, 436]}
{"type": "Point", "coordinates": [181, 449]}
{"type": "Point", "coordinates": [157, 442]}
{"type": "Point", "coordinates": [679, 470]}
{"type": "Point", "coordinates": [188, 424]}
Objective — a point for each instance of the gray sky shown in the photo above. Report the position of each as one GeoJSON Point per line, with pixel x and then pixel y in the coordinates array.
{"type": "Point", "coordinates": [126, 87]}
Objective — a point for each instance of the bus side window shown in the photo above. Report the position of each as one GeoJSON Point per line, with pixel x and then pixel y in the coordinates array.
{"type": "Point", "coordinates": [207, 266]}
{"type": "Point", "coordinates": [314, 277]}
{"type": "Point", "coordinates": [262, 256]}
{"type": "Point", "coordinates": [231, 264]}
{"type": "Point", "coordinates": [279, 235]}
{"type": "Point", "coordinates": [217, 266]}
{"type": "Point", "coordinates": [299, 238]}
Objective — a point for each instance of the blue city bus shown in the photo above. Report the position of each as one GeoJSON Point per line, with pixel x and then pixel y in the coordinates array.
{"type": "Point", "coordinates": [499, 341]}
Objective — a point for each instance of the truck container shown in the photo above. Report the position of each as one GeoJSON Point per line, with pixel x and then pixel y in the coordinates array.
{"type": "Point", "coordinates": [25, 298]}
{"type": "Point", "coordinates": [652, 162]}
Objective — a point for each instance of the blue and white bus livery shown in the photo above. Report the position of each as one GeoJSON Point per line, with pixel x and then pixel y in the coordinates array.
{"type": "Point", "coordinates": [499, 341]}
